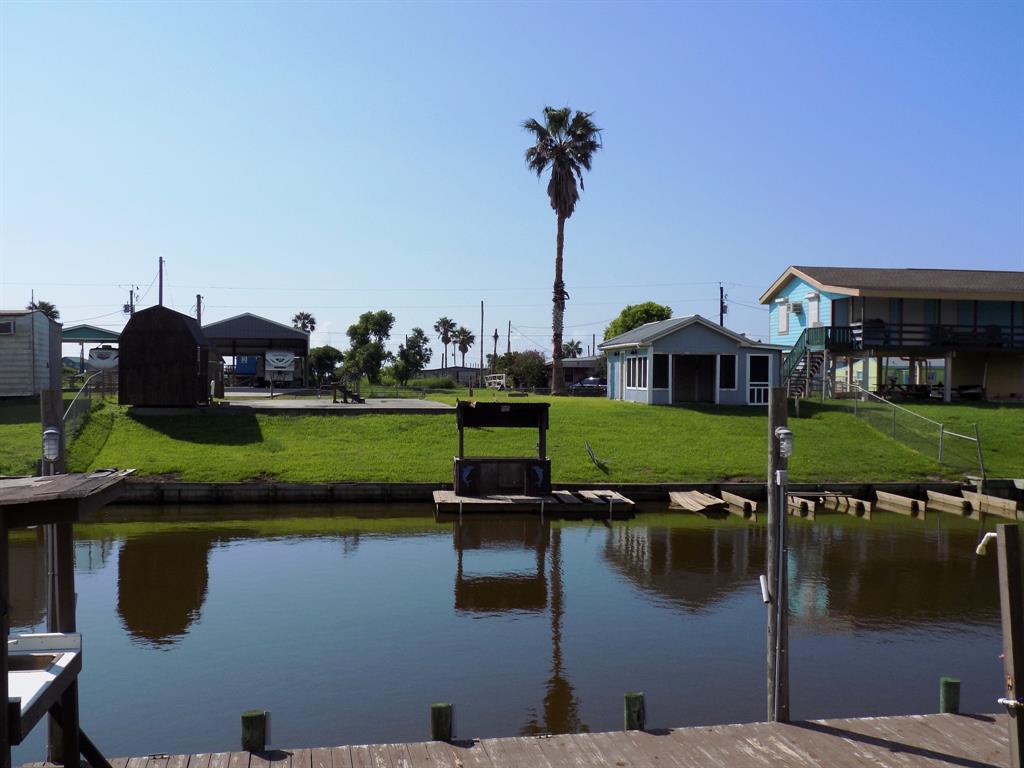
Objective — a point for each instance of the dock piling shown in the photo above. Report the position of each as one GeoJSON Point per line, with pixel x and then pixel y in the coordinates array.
{"type": "Point", "coordinates": [255, 724]}
{"type": "Point", "coordinates": [949, 695]}
{"type": "Point", "coordinates": [441, 722]}
{"type": "Point", "coordinates": [635, 711]}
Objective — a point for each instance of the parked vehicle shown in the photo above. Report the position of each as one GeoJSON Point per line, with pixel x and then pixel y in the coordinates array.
{"type": "Point", "coordinates": [592, 385]}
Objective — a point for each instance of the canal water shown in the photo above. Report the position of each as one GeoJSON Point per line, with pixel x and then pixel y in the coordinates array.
{"type": "Point", "coordinates": [348, 626]}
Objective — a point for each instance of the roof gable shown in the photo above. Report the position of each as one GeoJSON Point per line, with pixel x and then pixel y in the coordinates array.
{"type": "Point", "coordinates": [651, 332]}
{"type": "Point", "coordinates": [914, 283]}
{"type": "Point", "coordinates": [250, 326]}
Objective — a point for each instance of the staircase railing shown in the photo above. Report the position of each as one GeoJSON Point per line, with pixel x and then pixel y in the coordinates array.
{"type": "Point", "coordinates": [795, 355]}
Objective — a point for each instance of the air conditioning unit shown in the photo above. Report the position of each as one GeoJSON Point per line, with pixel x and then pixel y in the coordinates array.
{"type": "Point", "coordinates": [797, 309]}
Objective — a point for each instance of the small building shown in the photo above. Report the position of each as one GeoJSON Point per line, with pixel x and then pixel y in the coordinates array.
{"type": "Point", "coordinates": [923, 332]}
{"type": "Point", "coordinates": [30, 353]}
{"type": "Point", "coordinates": [164, 360]}
{"type": "Point", "coordinates": [689, 360]}
{"type": "Point", "coordinates": [576, 369]}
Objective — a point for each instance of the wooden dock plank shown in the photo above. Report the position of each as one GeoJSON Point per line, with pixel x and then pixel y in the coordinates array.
{"type": "Point", "coordinates": [904, 505]}
{"type": "Point", "coordinates": [918, 741]}
{"type": "Point", "coordinates": [747, 505]}
{"type": "Point", "coordinates": [992, 505]}
{"type": "Point", "coordinates": [339, 757]}
{"type": "Point", "coordinates": [300, 758]}
{"type": "Point", "coordinates": [566, 497]}
{"type": "Point", "coordinates": [949, 501]}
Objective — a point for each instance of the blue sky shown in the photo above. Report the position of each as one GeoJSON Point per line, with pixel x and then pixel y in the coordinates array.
{"type": "Point", "coordinates": [337, 157]}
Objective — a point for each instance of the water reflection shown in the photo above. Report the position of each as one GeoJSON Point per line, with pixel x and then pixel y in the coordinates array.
{"type": "Point", "coordinates": [28, 581]}
{"type": "Point", "coordinates": [161, 584]}
{"type": "Point", "coordinates": [692, 569]}
{"type": "Point", "coordinates": [534, 592]}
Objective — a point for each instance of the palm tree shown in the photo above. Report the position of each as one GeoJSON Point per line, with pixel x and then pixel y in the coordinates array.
{"type": "Point", "coordinates": [572, 348]}
{"type": "Point", "coordinates": [463, 338]}
{"type": "Point", "coordinates": [48, 309]}
{"type": "Point", "coordinates": [304, 321]}
{"type": "Point", "coordinates": [444, 328]}
{"type": "Point", "coordinates": [565, 143]}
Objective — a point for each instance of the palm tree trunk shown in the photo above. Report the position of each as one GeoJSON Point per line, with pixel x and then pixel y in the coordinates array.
{"type": "Point", "coordinates": [558, 314]}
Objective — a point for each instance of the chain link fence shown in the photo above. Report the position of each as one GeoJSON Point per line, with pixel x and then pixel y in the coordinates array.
{"type": "Point", "coordinates": [959, 452]}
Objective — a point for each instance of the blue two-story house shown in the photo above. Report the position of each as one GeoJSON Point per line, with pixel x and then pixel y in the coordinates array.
{"type": "Point", "coordinates": [923, 332]}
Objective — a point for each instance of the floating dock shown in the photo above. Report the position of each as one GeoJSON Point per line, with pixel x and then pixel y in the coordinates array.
{"type": "Point", "coordinates": [582, 504]}
{"type": "Point", "coordinates": [915, 741]}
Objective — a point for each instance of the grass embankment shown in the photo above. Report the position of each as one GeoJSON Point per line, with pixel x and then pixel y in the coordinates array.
{"type": "Point", "coordinates": [638, 443]}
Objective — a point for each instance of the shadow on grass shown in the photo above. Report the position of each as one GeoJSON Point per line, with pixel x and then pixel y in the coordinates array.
{"type": "Point", "coordinates": [19, 410]}
{"type": "Point", "coordinates": [205, 430]}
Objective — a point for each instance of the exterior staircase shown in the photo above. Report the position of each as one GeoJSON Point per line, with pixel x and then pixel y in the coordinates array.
{"type": "Point", "coordinates": [804, 370]}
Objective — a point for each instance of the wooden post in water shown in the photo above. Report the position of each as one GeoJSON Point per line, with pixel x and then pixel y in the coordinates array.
{"type": "Point", "coordinates": [949, 695]}
{"type": "Point", "coordinates": [441, 718]}
{"type": "Point", "coordinates": [778, 631]}
{"type": "Point", "coordinates": [254, 730]}
{"type": "Point", "coordinates": [635, 712]}
{"type": "Point", "coordinates": [1011, 607]}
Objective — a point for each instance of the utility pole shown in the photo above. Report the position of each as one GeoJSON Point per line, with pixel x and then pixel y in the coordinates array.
{"type": "Point", "coordinates": [722, 308]}
{"type": "Point", "coordinates": [131, 302]}
{"type": "Point", "coordinates": [494, 359]}
{"type": "Point", "coordinates": [161, 278]}
{"type": "Point", "coordinates": [776, 591]}
{"type": "Point", "coordinates": [481, 336]}
{"type": "Point", "coordinates": [1011, 605]}
{"type": "Point", "coordinates": [199, 309]}
{"type": "Point", "coordinates": [593, 343]}
{"type": "Point", "coordinates": [509, 337]}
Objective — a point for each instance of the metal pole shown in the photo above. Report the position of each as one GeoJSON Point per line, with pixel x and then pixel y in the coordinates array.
{"type": "Point", "coordinates": [778, 634]}
{"type": "Point", "coordinates": [1011, 608]}
{"type": "Point", "coordinates": [161, 276]}
{"type": "Point", "coordinates": [981, 458]}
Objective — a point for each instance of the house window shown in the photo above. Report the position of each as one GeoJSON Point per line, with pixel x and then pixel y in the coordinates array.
{"type": "Point", "coordinates": [758, 379]}
{"type": "Point", "coordinates": [727, 371]}
{"type": "Point", "coordinates": [6, 327]}
{"type": "Point", "coordinates": [636, 373]}
{"type": "Point", "coordinates": [660, 372]}
{"type": "Point", "coordinates": [783, 318]}
{"type": "Point", "coordinates": [813, 310]}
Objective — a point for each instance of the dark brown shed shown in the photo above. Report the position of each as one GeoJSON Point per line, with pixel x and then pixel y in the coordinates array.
{"type": "Point", "coordinates": [164, 360]}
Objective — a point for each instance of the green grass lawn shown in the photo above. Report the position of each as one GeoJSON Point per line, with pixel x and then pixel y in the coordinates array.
{"type": "Point", "coordinates": [639, 443]}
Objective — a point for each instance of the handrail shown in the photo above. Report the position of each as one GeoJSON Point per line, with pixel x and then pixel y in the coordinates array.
{"type": "Point", "coordinates": [85, 385]}
{"type": "Point", "coordinates": [794, 356]}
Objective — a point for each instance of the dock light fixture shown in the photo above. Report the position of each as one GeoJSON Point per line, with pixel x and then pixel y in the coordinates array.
{"type": "Point", "coordinates": [51, 444]}
{"type": "Point", "coordinates": [785, 438]}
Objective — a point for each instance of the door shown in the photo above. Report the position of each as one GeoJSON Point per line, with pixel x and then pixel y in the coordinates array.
{"type": "Point", "coordinates": [759, 370]}
{"type": "Point", "coordinates": [693, 378]}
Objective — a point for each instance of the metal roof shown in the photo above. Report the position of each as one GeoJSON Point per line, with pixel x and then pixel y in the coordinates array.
{"type": "Point", "coordinates": [915, 283]}
{"type": "Point", "coordinates": [650, 332]}
{"type": "Point", "coordinates": [88, 334]}
{"type": "Point", "coordinates": [247, 334]}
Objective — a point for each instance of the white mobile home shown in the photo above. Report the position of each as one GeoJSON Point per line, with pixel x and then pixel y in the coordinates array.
{"type": "Point", "coordinates": [30, 353]}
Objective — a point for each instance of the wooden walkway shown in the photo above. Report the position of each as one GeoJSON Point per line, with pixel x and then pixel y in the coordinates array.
{"type": "Point", "coordinates": [965, 741]}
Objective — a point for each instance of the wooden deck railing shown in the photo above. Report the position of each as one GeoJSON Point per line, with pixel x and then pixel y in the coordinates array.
{"type": "Point", "coordinates": [879, 334]}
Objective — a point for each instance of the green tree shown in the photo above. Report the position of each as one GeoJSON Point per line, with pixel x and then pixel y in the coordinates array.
{"type": "Point", "coordinates": [413, 356]}
{"type": "Point", "coordinates": [463, 338]}
{"type": "Point", "coordinates": [48, 309]}
{"type": "Point", "coordinates": [572, 348]}
{"type": "Point", "coordinates": [635, 315]}
{"type": "Point", "coordinates": [444, 328]}
{"type": "Point", "coordinates": [304, 321]}
{"type": "Point", "coordinates": [565, 143]}
{"type": "Point", "coordinates": [366, 337]}
{"type": "Point", "coordinates": [525, 369]}
{"type": "Point", "coordinates": [323, 361]}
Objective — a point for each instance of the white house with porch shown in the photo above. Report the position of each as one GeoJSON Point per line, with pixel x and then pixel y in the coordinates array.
{"type": "Point", "coordinates": [690, 360]}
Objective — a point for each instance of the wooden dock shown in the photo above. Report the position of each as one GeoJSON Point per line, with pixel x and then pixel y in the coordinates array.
{"type": "Point", "coordinates": [560, 504]}
{"type": "Point", "coordinates": [916, 741]}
